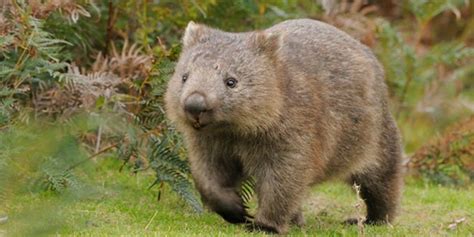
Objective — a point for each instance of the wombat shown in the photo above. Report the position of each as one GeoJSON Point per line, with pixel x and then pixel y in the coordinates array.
{"type": "Point", "coordinates": [294, 105]}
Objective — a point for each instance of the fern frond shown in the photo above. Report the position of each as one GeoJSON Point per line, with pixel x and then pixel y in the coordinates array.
{"type": "Point", "coordinates": [129, 64]}
{"type": "Point", "coordinates": [247, 190]}
{"type": "Point", "coordinates": [181, 185]}
{"type": "Point", "coordinates": [397, 56]}
{"type": "Point", "coordinates": [173, 170]}
{"type": "Point", "coordinates": [55, 178]}
{"type": "Point", "coordinates": [151, 115]}
{"type": "Point", "coordinates": [167, 156]}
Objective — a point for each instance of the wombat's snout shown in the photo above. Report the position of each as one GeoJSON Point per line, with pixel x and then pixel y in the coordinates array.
{"type": "Point", "coordinates": [196, 107]}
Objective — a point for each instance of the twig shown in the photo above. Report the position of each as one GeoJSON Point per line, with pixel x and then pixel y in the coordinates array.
{"type": "Point", "coordinates": [92, 156]}
{"type": "Point", "coordinates": [358, 206]}
{"type": "Point", "coordinates": [124, 163]}
{"type": "Point", "coordinates": [3, 126]}
{"type": "Point", "coordinates": [99, 135]}
{"type": "Point", "coordinates": [149, 222]}
{"type": "Point", "coordinates": [110, 26]}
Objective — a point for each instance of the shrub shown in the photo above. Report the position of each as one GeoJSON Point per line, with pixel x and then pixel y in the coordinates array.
{"type": "Point", "coordinates": [449, 158]}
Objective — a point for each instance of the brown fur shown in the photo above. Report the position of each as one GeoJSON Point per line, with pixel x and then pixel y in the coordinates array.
{"type": "Point", "coordinates": [310, 105]}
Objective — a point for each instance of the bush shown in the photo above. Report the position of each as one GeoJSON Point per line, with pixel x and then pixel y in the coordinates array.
{"type": "Point", "coordinates": [108, 62]}
{"type": "Point", "coordinates": [448, 159]}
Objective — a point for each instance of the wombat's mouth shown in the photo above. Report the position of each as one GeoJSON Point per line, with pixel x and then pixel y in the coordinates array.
{"type": "Point", "coordinates": [200, 120]}
{"type": "Point", "coordinates": [208, 126]}
{"type": "Point", "coordinates": [197, 125]}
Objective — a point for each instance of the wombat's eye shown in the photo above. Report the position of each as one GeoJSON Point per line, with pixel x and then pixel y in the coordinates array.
{"type": "Point", "coordinates": [230, 82]}
{"type": "Point", "coordinates": [184, 78]}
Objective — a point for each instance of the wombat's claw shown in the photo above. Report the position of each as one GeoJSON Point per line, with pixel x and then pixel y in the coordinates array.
{"type": "Point", "coordinates": [252, 227]}
{"type": "Point", "coordinates": [248, 219]}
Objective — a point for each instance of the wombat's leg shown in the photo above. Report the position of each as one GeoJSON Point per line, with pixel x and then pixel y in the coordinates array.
{"type": "Point", "coordinates": [380, 188]}
{"type": "Point", "coordinates": [298, 219]}
{"type": "Point", "coordinates": [218, 183]}
{"type": "Point", "coordinates": [280, 188]}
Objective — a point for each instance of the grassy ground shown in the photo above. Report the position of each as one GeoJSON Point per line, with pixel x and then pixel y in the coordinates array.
{"type": "Point", "coordinates": [121, 204]}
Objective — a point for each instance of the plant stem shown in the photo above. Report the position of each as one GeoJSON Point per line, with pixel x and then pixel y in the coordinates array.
{"type": "Point", "coordinates": [92, 156]}
{"type": "Point", "coordinates": [110, 26]}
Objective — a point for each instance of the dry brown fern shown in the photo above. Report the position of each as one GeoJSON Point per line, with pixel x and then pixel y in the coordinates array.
{"type": "Point", "coordinates": [80, 91]}
{"type": "Point", "coordinates": [107, 75]}
{"type": "Point", "coordinates": [129, 63]}
{"type": "Point", "coordinates": [448, 158]}
{"type": "Point", "coordinates": [5, 24]}
{"type": "Point", "coordinates": [41, 9]}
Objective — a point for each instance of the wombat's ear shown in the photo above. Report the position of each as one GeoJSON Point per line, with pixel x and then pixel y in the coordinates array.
{"type": "Point", "coordinates": [267, 43]}
{"type": "Point", "coordinates": [193, 34]}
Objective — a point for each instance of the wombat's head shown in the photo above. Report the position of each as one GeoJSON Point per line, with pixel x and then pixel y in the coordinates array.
{"type": "Point", "coordinates": [225, 81]}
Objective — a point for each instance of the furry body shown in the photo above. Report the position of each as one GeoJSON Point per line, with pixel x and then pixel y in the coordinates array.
{"type": "Point", "coordinates": [309, 105]}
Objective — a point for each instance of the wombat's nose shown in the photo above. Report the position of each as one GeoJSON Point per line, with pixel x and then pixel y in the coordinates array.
{"type": "Point", "coordinates": [195, 105]}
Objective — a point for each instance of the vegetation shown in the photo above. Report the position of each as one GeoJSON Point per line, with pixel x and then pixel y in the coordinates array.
{"type": "Point", "coordinates": [122, 204]}
{"type": "Point", "coordinates": [82, 81]}
{"type": "Point", "coordinates": [448, 159]}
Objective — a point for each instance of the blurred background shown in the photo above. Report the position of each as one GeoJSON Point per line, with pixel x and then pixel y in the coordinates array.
{"type": "Point", "coordinates": [82, 81]}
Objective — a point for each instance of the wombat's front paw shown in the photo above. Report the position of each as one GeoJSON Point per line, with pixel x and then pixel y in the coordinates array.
{"type": "Point", "coordinates": [233, 210]}
{"type": "Point", "coordinates": [234, 214]}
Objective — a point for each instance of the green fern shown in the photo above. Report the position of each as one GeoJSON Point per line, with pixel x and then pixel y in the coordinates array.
{"type": "Point", "coordinates": [247, 190]}
{"type": "Point", "coordinates": [397, 56]}
{"type": "Point", "coordinates": [39, 57]}
{"type": "Point", "coordinates": [30, 59]}
{"type": "Point", "coordinates": [172, 169]}
{"type": "Point", "coordinates": [55, 177]}
{"type": "Point", "coordinates": [407, 72]}
{"type": "Point", "coordinates": [151, 115]}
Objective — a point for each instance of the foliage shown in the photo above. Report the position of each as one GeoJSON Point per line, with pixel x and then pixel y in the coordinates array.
{"type": "Point", "coordinates": [171, 168]}
{"type": "Point", "coordinates": [42, 160]}
{"type": "Point", "coordinates": [127, 206]}
{"type": "Point", "coordinates": [80, 80]}
{"type": "Point", "coordinates": [247, 190]}
{"type": "Point", "coordinates": [123, 85]}
{"type": "Point", "coordinates": [412, 73]}
{"type": "Point", "coordinates": [448, 159]}
{"type": "Point", "coordinates": [37, 159]}
{"type": "Point", "coordinates": [29, 58]}
{"type": "Point", "coordinates": [429, 84]}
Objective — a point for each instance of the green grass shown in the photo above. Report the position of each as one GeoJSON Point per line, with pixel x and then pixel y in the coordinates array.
{"type": "Point", "coordinates": [119, 203]}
